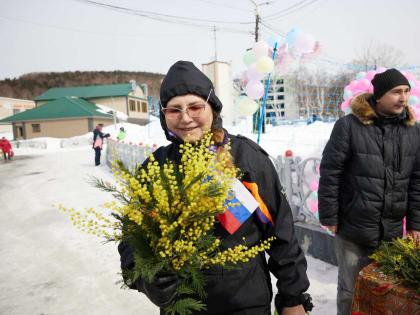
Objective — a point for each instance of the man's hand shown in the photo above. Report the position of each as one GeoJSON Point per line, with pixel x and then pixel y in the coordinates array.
{"type": "Point", "coordinates": [415, 234]}
{"type": "Point", "coordinates": [332, 228]}
{"type": "Point", "coordinates": [294, 310]}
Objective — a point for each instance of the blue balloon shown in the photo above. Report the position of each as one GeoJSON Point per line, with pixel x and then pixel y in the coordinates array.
{"type": "Point", "coordinates": [292, 35]}
{"type": "Point", "coordinates": [413, 100]}
{"type": "Point", "coordinates": [314, 195]}
{"type": "Point", "coordinates": [272, 40]}
{"type": "Point", "coordinates": [361, 75]}
{"type": "Point", "coordinates": [412, 84]}
{"type": "Point", "coordinates": [347, 94]}
{"type": "Point", "coordinates": [317, 215]}
{"type": "Point", "coordinates": [348, 110]}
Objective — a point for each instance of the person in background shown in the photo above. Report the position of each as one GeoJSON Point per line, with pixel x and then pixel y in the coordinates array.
{"type": "Point", "coordinates": [189, 106]}
{"type": "Point", "coordinates": [121, 134]}
{"type": "Point", "coordinates": [370, 178]}
{"type": "Point", "coordinates": [98, 138]}
{"type": "Point", "coordinates": [6, 147]}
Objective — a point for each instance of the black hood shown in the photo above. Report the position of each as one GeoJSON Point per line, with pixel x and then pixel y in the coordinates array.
{"type": "Point", "coordinates": [185, 78]}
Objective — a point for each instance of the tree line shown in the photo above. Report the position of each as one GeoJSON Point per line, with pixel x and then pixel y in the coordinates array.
{"type": "Point", "coordinates": [31, 85]}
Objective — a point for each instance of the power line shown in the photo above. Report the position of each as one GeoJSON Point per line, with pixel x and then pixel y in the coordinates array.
{"type": "Point", "coordinates": [300, 5]}
{"type": "Point", "coordinates": [223, 5]}
{"type": "Point", "coordinates": [271, 28]}
{"type": "Point", "coordinates": [151, 14]}
{"type": "Point", "coordinates": [286, 9]}
{"type": "Point", "coordinates": [76, 30]}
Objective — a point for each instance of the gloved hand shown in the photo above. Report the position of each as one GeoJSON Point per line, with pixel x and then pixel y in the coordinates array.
{"type": "Point", "coordinates": [161, 291]}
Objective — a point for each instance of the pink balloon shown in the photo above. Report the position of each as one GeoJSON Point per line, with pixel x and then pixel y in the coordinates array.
{"type": "Point", "coordinates": [309, 56]}
{"type": "Point", "coordinates": [415, 91]}
{"type": "Point", "coordinates": [253, 74]}
{"type": "Point", "coordinates": [380, 70]}
{"type": "Point", "coordinates": [370, 74]}
{"type": "Point", "coordinates": [304, 43]}
{"type": "Point", "coordinates": [313, 206]}
{"type": "Point", "coordinates": [410, 77]}
{"type": "Point", "coordinates": [353, 85]}
{"type": "Point", "coordinates": [254, 89]}
{"type": "Point", "coordinates": [347, 88]}
{"type": "Point", "coordinates": [281, 66]}
{"type": "Point", "coordinates": [363, 84]}
{"type": "Point", "coordinates": [357, 92]}
{"type": "Point", "coordinates": [416, 112]}
{"type": "Point", "coordinates": [314, 185]}
{"type": "Point", "coordinates": [370, 89]}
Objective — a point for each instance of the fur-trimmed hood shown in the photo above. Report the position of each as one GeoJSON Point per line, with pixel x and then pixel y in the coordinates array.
{"type": "Point", "coordinates": [365, 113]}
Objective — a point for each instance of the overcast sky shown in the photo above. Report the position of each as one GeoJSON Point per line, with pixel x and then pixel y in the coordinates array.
{"type": "Point", "coordinates": [70, 35]}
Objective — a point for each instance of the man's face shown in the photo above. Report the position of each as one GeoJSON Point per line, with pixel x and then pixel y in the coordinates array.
{"type": "Point", "coordinates": [394, 101]}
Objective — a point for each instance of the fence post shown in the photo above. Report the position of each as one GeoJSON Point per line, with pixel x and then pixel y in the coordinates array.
{"type": "Point", "coordinates": [288, 160]}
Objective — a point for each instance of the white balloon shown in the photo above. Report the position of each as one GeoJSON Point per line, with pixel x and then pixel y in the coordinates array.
{"type": "Point", "coordinates": [260, 49]}
{"type": "Point", "coordinates": [247, 106]}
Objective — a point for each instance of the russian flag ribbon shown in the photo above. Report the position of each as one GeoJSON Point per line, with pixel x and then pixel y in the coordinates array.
{"type": "Point", "coordinates": [240, 205]}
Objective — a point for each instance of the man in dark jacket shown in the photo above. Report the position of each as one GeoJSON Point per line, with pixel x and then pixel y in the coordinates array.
{"type": "Point", "coordinates": [370, 178]}
{"type": "Point", "coordinates": [246, 290]}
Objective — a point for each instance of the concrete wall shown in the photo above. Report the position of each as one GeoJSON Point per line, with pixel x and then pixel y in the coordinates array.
{"type": "Point", "coordinates": [7, 107]}
{"type": "Point", "coordinates": [220, 73]}
{"type": "Point", "coordinates": [60, 128]}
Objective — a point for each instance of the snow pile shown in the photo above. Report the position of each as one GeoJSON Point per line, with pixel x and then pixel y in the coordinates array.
{"type": "Point", "coordinates": [304, 140]}
{"type": "Point", "coordinates": [108, 110]}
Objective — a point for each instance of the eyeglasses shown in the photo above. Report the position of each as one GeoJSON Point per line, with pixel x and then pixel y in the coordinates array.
{"type": "Point", "coordinates": [193, 111]}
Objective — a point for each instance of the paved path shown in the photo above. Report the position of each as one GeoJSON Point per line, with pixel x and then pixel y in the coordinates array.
{"type": "Point", "coordinates": [47, 266]}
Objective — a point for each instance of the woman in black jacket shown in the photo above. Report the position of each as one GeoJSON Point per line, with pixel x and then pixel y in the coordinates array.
{"type": "Point", "coordinates": [189, 107]}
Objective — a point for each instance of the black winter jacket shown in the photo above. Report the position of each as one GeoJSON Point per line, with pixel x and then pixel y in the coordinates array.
{"type": "Point", "coordinates": [248, 290]}
{"type": "Point", "coordinates": [370, 175]}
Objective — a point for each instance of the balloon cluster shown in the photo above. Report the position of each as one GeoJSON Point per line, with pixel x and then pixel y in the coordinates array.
{"type": "Point", "coordinates": [259, 62]}
{"type": "Point", "coordinates": [363, 84]}
{"type": "Point", "coordinates": [313, 197]}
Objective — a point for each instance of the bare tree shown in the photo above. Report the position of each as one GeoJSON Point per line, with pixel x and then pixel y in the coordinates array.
{"type": "Point", "coordinates": [374, 55]}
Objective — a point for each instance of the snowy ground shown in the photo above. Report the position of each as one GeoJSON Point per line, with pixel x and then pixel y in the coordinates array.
{"type": "Point", "coordinates": [47, 266]}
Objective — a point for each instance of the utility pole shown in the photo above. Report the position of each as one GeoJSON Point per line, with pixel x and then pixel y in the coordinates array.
{"type": "Point", "coordinates": [257, 16]}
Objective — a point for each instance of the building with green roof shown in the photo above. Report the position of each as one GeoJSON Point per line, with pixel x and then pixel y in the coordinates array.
{"type": "Point", "coordinates": [60, 118]}
{"type": "Point", "coordinates": [128, 98]}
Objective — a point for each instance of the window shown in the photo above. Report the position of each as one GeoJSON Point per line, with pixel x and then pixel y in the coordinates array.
{"type": "Point", "coordinates": [144, 107]}
{"type": "Point", "coordinates": [15, 111]}
{"type": "Point", "coordinates": [36, 128]}
{"type": "Point", "coordinates": [282, 114]}
{"type": "Point", "coordinates": [280, 97]}
{"type": "Point", "coordinates": [138, 106]}
{"type": "Point", "coordinates": [281, 106]}
{"type": "Point", "coordinates": [132, 104]}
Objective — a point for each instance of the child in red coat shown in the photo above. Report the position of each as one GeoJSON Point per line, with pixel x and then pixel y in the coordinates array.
{"type": "Point", "coordinates": [5, 147]}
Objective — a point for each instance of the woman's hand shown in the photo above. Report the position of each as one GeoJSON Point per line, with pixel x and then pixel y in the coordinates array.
{"type": "Point", "coordinates": [293, 310]}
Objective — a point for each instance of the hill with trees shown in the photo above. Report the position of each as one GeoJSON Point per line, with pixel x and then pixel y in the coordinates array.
{"type": "Point", "coordinates": [29, 86]}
